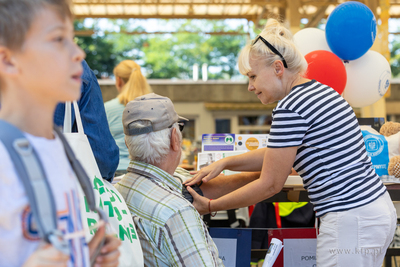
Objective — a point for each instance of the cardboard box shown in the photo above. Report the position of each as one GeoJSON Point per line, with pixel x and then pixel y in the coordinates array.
{"type": "Point", "coordinates": [250, 141]}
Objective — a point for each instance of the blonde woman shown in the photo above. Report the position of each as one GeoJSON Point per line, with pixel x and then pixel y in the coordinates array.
{"type": "Point", "coordinates": [130, 84]}
{"type": "Point", "coordinates": [315, 131]}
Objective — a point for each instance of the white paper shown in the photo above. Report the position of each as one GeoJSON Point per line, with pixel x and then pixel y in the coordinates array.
{"type": "Point", "coordinates": [300, 252]}
{"type": "Point", "coordinates": [273, 251]}
{"type": "Point", "coordinates": [227, 250]}
{"type": "Point", "coordinates": [206, 158]}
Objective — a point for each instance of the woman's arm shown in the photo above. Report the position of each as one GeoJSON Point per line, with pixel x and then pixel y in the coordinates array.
{"type": "Point", "coordinates": [224, 184]}
{"type": "Point", "coordinates": [248, 162]}
{"type": "Point", "coordinates": [275, 169]}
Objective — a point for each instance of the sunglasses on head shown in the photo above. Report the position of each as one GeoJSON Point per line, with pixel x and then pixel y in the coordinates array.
{"type": "Point", "coordinates": [273, 49]}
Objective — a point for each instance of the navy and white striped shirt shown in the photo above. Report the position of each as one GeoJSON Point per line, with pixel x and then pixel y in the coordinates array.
{"type": "Point", "coordinates": [331, 158]}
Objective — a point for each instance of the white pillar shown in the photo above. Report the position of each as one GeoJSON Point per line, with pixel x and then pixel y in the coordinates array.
{"type": "Point", "coordinates": [204, 73]}
{"type": "Point", "coordinates": [195, 72]}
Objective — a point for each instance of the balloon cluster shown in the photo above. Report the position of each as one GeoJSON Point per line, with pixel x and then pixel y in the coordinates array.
{"type": "Point", "coordinates": [340, 57]}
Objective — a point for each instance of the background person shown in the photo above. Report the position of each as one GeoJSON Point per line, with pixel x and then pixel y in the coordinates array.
{"type": "Point", "coordinates": [130, 84]}
{"type": "Point", "coordinates": [316, 131]}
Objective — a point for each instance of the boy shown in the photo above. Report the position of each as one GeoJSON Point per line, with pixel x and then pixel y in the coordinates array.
{"type": "Point", "coordinates": [40, 65]}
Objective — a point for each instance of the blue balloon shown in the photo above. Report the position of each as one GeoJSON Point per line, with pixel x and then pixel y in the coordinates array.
{"type": "Point", "coordinates": [350, 30]}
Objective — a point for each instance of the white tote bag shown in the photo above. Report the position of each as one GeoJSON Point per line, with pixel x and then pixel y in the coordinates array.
{"type": "Point", "coordinates": [107, 197]}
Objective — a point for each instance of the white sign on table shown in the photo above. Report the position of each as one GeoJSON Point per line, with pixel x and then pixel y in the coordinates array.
{"type": "Point", "coordinates": [300, 252]}
{"type": "Point", "coordinates": [227, 250]}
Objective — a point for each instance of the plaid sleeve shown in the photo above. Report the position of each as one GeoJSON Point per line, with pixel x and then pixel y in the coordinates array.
{"type": "Point", "coordinates": [186, 241]}
{"type": "Point", "coordinates": [287, 130]}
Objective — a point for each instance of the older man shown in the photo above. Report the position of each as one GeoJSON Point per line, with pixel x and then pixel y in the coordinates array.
{"type": "Point", "coordinates": [170, 229]}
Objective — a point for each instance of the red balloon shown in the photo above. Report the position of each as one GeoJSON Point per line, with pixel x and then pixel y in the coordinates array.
{"type": "Point", "coordinates": [326, 68]}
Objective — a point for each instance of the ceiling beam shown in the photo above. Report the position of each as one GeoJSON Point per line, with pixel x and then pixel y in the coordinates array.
{"type": "Point", "coordinates": [373, 5]}
{"type": "Point", "coordinates": [236, 2]}
{"type": "Point", "coordinates": [260, 17]}
{"type": "Point", "coordinates": [255, 8]}
{"type": "Point", "coordinates": [293, 15]}
{"type": "Point", "coordinates": [316, 17]}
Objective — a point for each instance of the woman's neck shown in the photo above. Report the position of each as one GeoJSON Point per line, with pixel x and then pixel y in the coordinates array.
{"type": "Point", "coordinates": [294, 81]}
{"type": "Point", "coordinates": [300, 81]}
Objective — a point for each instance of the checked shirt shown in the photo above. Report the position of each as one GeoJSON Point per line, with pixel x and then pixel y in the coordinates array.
{"type": "Point", "coordinates": [170, 229]}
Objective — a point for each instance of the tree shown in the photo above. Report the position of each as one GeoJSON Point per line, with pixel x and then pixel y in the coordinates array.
{"type": "Point", "coordinates": [165, 56]}
{"type": "Point", "coordinates": [100, 53]}
{"type": "Point", "coordinates": [173, 56]}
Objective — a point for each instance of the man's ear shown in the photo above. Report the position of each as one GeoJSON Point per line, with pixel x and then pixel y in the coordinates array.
{"type": "Point", "coordinates": [175, 144]}
{"type": "Point", "coordinates": [8, 64]}
{"type": "Point", "coordinates": [278, 68]}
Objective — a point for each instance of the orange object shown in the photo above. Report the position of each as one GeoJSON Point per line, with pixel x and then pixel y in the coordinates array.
{"type": "Point", "coordinates": [277, 216]}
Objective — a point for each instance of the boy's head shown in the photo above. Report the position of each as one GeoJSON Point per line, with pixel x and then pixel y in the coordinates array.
{"type": "Point", "coordinates": [16, 18]}
{"type": "Point", "coordinates": [38, 56]}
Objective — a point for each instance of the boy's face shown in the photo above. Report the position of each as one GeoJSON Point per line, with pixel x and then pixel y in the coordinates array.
{"type": "Point", "coordinates": [49, 63]}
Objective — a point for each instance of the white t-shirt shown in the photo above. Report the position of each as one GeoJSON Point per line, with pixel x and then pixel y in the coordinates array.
{"type": "Point", "coordinates": [18, 234]}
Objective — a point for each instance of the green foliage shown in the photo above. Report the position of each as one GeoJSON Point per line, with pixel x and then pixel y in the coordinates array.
{"type": "Point", "coordinates": [101, 55]}
{"type": "Point", "coordinates": [166, 56]}
{"type": "Point", "coordinates": [395, 57]}
{"type": "Point", "coordinates": [174, 55]}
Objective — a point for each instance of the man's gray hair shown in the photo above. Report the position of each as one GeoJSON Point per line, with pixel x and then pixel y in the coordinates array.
{"type": "Point", "coordinates": [152, 147]}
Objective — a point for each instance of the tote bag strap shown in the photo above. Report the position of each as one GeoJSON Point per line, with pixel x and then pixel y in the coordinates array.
{"type": "Point", "coordinates": [68, 118]}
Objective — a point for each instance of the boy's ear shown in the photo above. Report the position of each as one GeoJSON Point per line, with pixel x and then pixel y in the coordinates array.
{"type": "Point", "coordinates": [8, 64]}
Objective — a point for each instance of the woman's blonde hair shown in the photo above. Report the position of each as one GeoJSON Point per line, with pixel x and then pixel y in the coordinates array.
{"type": "Point", "coordinates": [135, 83]}
{"type": "Point", "coordinates": [280, 38]}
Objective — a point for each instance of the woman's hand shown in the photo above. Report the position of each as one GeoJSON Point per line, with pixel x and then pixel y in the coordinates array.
{"type": "Point", "coordinates": [109, 253]}
{"type": "Point", "coordinates": [207, 173]}
{"type": "Point", "coordinates": [47, 255]}
{"type": "Point", "coordinates": [199, 202]}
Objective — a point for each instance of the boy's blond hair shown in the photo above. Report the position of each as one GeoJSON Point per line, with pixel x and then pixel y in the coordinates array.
{"type": "Point", "coordinates": [135, 83]}
{"type": "Point", "coordinates": [16, 17]}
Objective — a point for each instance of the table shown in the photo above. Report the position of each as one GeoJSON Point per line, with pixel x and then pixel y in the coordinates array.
{"type": "Point", "coordinates": [293, 191]}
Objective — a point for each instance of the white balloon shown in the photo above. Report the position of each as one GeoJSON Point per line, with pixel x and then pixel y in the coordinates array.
{"type": "Point", "coordinates": [368, 79]}
{"type": "Point", "coordinates": [311, 39]}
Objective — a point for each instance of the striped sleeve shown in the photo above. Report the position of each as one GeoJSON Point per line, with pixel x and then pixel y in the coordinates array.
{"type": "Point", "coordinates": [287, 130]}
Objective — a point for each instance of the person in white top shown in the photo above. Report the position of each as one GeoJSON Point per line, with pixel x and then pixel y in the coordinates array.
{"type": "Point", "coordinates": [40, 65]}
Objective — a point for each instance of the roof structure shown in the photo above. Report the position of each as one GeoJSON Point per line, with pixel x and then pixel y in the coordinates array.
{"type": "Point", "coordinates": [252, 10]}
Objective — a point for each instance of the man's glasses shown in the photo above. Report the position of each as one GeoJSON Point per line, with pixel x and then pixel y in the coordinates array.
{"type": "Point", "coordinates": [273, 49]}
{"type": "Point", "coordinates": [180, 124]}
